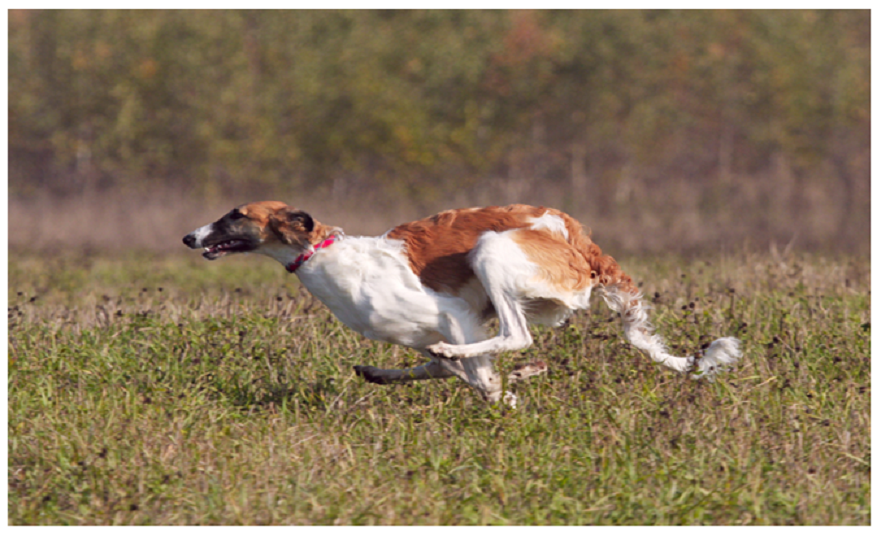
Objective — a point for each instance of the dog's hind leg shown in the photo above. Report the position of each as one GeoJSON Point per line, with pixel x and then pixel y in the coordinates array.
{"type": "Point", "coordinates": [501, 266]}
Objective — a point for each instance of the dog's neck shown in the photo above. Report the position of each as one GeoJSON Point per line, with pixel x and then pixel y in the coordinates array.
{"type": "Point", "coordinates": [294, 265]}
{"type": "Point", "coordinates": [293, 256]}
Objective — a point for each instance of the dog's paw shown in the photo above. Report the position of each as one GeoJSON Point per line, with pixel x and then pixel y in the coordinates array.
{"type": "Point", "coordinates": [510, 400]}
{"type": "Point", "coordinates": [522, 372]}
{"type": "Point", "coordinates": [444, 350]}
{"type": "Point", "coordinates": [368, 374]}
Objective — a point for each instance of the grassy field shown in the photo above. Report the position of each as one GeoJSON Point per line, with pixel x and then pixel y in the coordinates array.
{"type": "Point", "coordinates": [159, 390]}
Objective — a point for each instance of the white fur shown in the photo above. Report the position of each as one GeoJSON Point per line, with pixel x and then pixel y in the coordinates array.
{"type": "Point", "coordinates": [507, 276]}
{"type": "Point", "coordinates": [367, 282]}
{"type": "Point", "coordinates": [551, 222]}
{"type": "Point", "coordinates": [720, 353]}
{"type": "Point", "coordinates": [519, 295]}
{"type": "Point", "coordinates": [369, 286]}
{"type": "Point", "coordinates": [638, 330]}
{"type": "Point", "coordinates": [201, 233]}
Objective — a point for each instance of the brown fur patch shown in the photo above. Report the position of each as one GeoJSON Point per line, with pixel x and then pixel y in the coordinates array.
{"type": "Point", "coordinates": [438, 247]}
{"type": "Point", "coordinates": [576, 267]}
{"type": "Point", "coordinates": [277, 222]}
{"type": "Point", "coordinates": [560, 265]}
{"type": "Point", "coordinates": [262, 210]}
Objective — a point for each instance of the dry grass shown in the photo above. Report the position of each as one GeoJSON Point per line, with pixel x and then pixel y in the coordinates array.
{"type": "Point", "coordinates": [164, 390]}
{"type": "Point", "coordinates": [679, 217]}
{"type": "Point", "coordinates": [116, 221]}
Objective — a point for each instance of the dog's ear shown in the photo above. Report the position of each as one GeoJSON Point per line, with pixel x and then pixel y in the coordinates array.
{"type": "Point", "coordinates": [291, 226]}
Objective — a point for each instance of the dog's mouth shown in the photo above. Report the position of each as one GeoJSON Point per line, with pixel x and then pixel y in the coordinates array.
{"type": "Point", "coordinates": [226, 247]}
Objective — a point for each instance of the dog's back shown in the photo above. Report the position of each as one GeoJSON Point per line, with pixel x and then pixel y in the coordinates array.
{"type": "Point", "coordinates": [439, 247]}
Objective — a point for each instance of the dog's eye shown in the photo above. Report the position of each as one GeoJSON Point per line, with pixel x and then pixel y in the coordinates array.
{"type": "Point", "coordinates": [235, 215]}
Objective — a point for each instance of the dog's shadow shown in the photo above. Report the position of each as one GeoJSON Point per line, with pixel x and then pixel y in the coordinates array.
{"type": "Point", "coordinates": [315, 395]}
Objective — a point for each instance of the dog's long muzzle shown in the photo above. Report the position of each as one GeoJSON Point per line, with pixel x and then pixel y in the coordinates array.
{"type": "Point", "coordinates": [195, 239]}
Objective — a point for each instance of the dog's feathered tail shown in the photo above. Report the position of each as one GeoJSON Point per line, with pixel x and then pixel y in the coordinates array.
{"type": "Point", "coordinates": [622, 296]}
{"type": "Point", "coordinates": [639, 331]}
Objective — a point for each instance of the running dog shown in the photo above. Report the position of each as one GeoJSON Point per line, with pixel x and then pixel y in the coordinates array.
{"type": "Point", "coordinates": [432, 285]}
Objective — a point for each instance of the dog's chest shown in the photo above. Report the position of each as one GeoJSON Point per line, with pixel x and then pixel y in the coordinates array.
{"type": "Point", "coordinates": [368, 284]}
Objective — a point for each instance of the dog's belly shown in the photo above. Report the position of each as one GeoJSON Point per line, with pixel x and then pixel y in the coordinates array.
{"type": "Point", "coordinates": [391, 315]}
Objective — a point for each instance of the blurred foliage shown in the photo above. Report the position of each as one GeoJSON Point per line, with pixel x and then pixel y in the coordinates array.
{"type": "Point", "coordinates": [421, 103]}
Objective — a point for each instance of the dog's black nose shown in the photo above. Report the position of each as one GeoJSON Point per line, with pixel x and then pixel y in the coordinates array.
{"type": "Point", "coordinates": [189, 240]}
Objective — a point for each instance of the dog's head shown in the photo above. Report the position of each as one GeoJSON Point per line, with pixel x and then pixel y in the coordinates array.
{"type": "Point", "coordinates": [268, 227]}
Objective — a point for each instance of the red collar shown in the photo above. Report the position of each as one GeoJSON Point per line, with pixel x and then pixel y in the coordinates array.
{"type": "Point", "coordinates": [294, 265]}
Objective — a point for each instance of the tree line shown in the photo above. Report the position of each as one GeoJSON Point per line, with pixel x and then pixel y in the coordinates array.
{"type": "Point", "coordinates": [425, 102]}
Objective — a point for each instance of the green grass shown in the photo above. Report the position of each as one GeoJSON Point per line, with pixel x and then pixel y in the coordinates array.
{"type": "Point", "coordinates": [149, 390]}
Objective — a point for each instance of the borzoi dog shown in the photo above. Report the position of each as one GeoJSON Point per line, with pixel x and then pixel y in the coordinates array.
{"type": "Point", "coordinates": [432, 285]}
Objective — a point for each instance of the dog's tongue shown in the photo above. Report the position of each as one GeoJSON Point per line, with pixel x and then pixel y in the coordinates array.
{"type": "Point", "coordinates": [217, 250]}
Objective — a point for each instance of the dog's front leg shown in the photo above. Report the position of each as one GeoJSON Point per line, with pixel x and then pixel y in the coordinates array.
{"type": "Point", "coordinates": [513, 335]}
{"type": "Point", "coordinates": [478, 372]}
{"type": "Point", "coordinates": [428, 371]}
